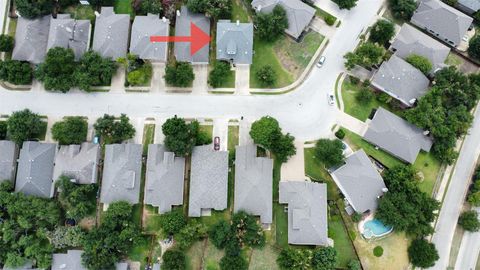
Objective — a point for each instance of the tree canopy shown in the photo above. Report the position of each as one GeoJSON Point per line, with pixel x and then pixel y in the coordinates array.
{"type": "Point", "coordinates": [469, 221]}
{"type": "Point", "coordinates": [58, 69]}
{"type": "Point", "coordinates": [220, 71]}
{"type": "Point", "coordinates": [382, 31]}
{"type": "Point", "coordinates": [217, 9]}
{"type": "Point", "coordinates": [94, 70]}
{"type": "Point", "coordinates": [422, 253]}
{"type": "Point", "coordinates": [474, 47]}
{"type": "Point", "coordinates": [271, 25]}
{"type": "Point", "coordinates": [112, 130]}
{"type": "Point", "coordinates": [6, 43]}
{"type": "Point", "coordinates": [329, 152]}
{"type": "Point", "coordinates": [179, 74]}
{"type": "Point", "coordinates": [322, 258]}
{"type": "Point", "coordinates": [420, 62]}
{"type": "Point", "coordinates": [174, 260]}
{"type": "Point", "coordinates": [366, 55]}
{"type": "Point", "coordinates": [266, 75]}
{"type": "Point", "coordinates": [24, 125]}
{"type": "Point", "coordinates": [16, 72]}
{"type": "Point", "coordinates": [173, 221]}
{"type": "Point", "coordinates": [181, 137]}
{"type": "Point", "coordinates": [72, 130]}
{"type": "Point", "coordinates": [345, 4]}
{"type": "Point", "coordinates": [31, 9]}
{"type": "Point", "coordinates": [402, 9]}
{"type": "Point", "coordinates": [151, 6]}
{"type": "Point", "coordinates": [78, 200]}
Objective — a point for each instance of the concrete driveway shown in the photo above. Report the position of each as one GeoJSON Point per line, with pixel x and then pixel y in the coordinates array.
{"type": "Point", "coordinates": [244, 132]}
{"type": "Point", "coordinates": [158, 82]}
{"type": "Point", "coordinates": [242, 80]}
{"type": "Point", "coordinates": [294, 168]}
{"type": "Point", "coordinates": [220, 129]}
{"type": "Point", "coordinates": [351, 123]}
{"type": "Point", "coordinates": [200, 84]}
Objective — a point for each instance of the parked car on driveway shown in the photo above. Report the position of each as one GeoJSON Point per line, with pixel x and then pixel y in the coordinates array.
{"type": "Point", "coordinates": [331, 99]}
{"type": "Point", "coordinates": [216, 143]}
{"type": "Point", "coordinates": [321, 61]}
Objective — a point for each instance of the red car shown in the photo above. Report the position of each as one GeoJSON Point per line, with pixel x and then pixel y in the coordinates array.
{"type": "Point", "coordinates": [216, 143]}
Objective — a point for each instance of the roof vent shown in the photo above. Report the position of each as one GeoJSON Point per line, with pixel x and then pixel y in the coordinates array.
{"type": "Point", "coordinates": [164, 19]}
{"type": "Point", "coordinates": [63, 266]}
{"type": "Point", "coordinates": [238, 22]}
{"type": "Point", "coordinates": [178, 13]}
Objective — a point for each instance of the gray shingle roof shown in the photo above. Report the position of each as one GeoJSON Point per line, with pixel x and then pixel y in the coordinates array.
{"type": "Point", "coordinates": [142, 29]}
{"type": "Point", "coordinates": [31, 38]}
{"type": "Point", "coordinates": [299, 14]}
{"type": "Point", "coordinates": [72, 260]}
{"type": "Point", "coordinates": [26, 266]}
{"type": "Point", "coordinates": [121, 266]}
{"type": "Point", "coordinates": [396, 136]}
{"type": "Point", "coordinates": [307, 212]}
{"type": "Point", "coordinates": [164, 178]}
{"type": "Point", "coordinates": [121, 173]}
{"type": "Point", "coordinates": [67, 33]}
{"type": "Point", "coordinates": [182, 28]}
{"type": "Point", "coordinates": [208, 180]}
{"type": "Point", "coordinates": [235, 42]}
{"type": "Point", "coordinates": [110, 38]}
{"type": "Point", "coordinates": [78, 162]}
{"type": "Point", "coordinates": [412, 41]}
{"type": "Point", "coordinates": [472, 5]}
{"type": "Point", "coordinates": [35, 169]}
{"type": "Point", "coordinates": [8, 160]}
{"type": "Point", "coordinates": [442, 19]}
{"type": "Point", "coordinates": [401, 80]}
{"type": "Point", "coordinates": [359, 182]}
{"type": "Point", "coordinates": [253, 183]}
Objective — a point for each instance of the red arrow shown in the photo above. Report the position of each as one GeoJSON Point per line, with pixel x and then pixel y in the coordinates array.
{"type": "Point", "coordinates": [197, 38]}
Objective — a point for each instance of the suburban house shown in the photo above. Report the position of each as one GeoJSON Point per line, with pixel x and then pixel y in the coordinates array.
{"type": "Point", "coordinates": [35, 169]}
{"type": "Point", "coordinates": [307, 212]}
{"type": "Point", "coordinates": [142, 29]}
{"type": "Point", "coordinates": [412, 41]}
{"type": "Point", "coordinates": [68, 33]}
{"type": "Point", "coordinates": [164, 178]}
{"type": "Point", "coordinates": [121, 173]}
{"type": "Point", "coordinates": [298, 13]}
{"type": "Point", "coordinates": [360, 182]}
{"type": "Point", "coordinates": [401, 81]}
{"type": "Point", "coordinates": [31, 38]}
{"type": "Point", "coordinates": [208, 181]}
{"type": "Point", "coordinates": [235, 42]}
{"type": "Point", "coordinates": [253, 183]}
{"type": "Point", "coordinates": [468, 6]}
{"type": "Point", "coordinates": [442, 21]}
{"type": "Point", "coordinates": [397, 136]}
{"type": "Point", "coordinates": [110, 38]}
{"type": "Point", "coordinates": [72, 260]}
{"type": "Point", "coordinates": [78, 162]}
{"type": "Point", "coordinates": [185, 18]}
{"type": "Point", "coordinates": [8, 160]}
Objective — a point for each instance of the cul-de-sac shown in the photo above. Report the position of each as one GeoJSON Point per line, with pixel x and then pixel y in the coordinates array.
{"type": "Point", "coordinates": [239, 134]}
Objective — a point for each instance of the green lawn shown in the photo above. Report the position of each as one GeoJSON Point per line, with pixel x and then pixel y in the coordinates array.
{"type": "Point", "coordinates": [318, 173]}
{"type": "Point", "coordinates": [43, 131]}
{"type": "Point", "coordinates": [280, 218]}
{"type": "Point", "coordinates": [232, 137]}
{"type": "Point", "coordinates": [322, 13]}
{"type": "Point", "coordinates": [141, 250]}
{"type": "Point", "coordinates": [229, 80]}
{"type": "Point", "coordinates": [194, 256]}
{"type": "Point", "coordinates": [265, 258]}
{"type": "Point", "coordinates": [429, 166]}
{"type": "Point", "coordinates": [212, 257]}
{"type": "Point", "coordinates": [208, 129]}
{"type": "Point", "coordinates": [12, 27]}
{"type": "Point", "coordinates": [342, 243]}
{"type": "Point", "coordinates": [453, 60]}
{"type": "Point", "coordinates": [81, 12]}
{"type": "Point", "coordinates": [277, 167]}
{"type": "Point", "coordinates": [301, 53]}
{"type": "Point", "coordinates": [124, 7]}
{"type": "Point", "coordinates": [351, 106]}
{"type": "Point", "coordinates": [239, 12]}
{"type": "Point", "coordinates": [148, 136]}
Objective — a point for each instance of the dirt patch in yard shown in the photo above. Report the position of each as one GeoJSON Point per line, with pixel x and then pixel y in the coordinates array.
{"type": "Point", "coordinates": [288, 63]}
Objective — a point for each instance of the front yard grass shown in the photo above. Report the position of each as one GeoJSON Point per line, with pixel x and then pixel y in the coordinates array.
{"type": "Point", "coordinates": [148, 135]}
{"type": "Point", "coordinates": [429, 166]}
{"type": "Point", "coordinates": [228, 81]}
{"type": "Point", "coordinates": [208, 129]}
{"type": "Point", "coordinates": [212, 257]}
{"type": "Point", "coordinates": [194, 256]}
{"type": "Point", "coordinates": [233, 133]}
{"type": "Point", "coordinates": [280, 218]}
{"type": "Point", "coordinates": [124, 7]}
{"type": "Point", "coordinates": [318, 173]}
{"type": "Point", "coordinates": [322, 13]}
{"type": "Point", "coordinates": [351, 106]}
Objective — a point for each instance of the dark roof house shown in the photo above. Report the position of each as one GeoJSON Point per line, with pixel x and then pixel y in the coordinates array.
{"type": "Point", "coordinates": [142, 29]}
{"type": "Point", "coordinates": [110, 38]}
{"type": "Point", "coordinates": [397, 136]}
{"type": "Point", "coordinates": [442, 21]}
{"type": "Point", "coordinates": [360, 182]}
{"type": "Point", "coordinates": [35, 169]}
{"type": "Point", "coordinates": [31, 38]}
{"type": "Point", "coordinates": [78, 162]}
{"type": "Point", "coordinates": [299, 14]}
{"type": "Point", "coordinates": [412, 41]}
{"type": "Point", "coordinates": [8, 160]}
{"type": "Point", "coordinates": [121, 173]}
{"type": "Point", "coordinates": [401, 81]}
{"type": "Point", "coordinates": [164, 178]}
{"type": "Point", "coordinates": [307, 212]}
{"type": "Point", "coordinates": [182, 28]}
{"type": "Point", "coordinates": [208, 181]}
{"type": "Point", "coordinates": [68, 33]}
{"type": "Point", "coordinates": [253, 183]}
{"type": "Point", "coordinates": [235, 42]}
{"type": "Point", "coordinates": [72, 260]}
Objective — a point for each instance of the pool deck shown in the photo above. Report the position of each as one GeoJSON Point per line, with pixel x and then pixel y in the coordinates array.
{"type": "Point", "coordinates": [361, 228]}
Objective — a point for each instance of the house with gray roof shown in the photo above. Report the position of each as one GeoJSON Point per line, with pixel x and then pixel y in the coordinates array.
{"type": "Point", "coordinates": [27, 266]}
{"type": "Point", "coordinates": [468, 6]}
{"type": "Point", "coordinates": [78, 162]}
{"type": "Point", "coordinates": [307, 212]}
{"type": "Point", "coordinates": [121, 266]}
{"type": "Point", "coordinates": [142, 29]}
{"type": "Point", "coordinates": [235, 42]}
{"type": "Point", "coordinates": [35, 169]}
{"type": "Point", "coordinates": [72, 260]}
{"type": "Point", "coordinates": [298, 13]}
{"type": "Point", "coordinates": [401, 81]}
{"type": "Point", "coordinates": [164, 178]}
{"type": "Point", "coordinates": [31, 38]}
{"type": "Point", "coordinates": [122, 170]}
{"type": "Point", "coordinates": [182, 28]}
{"type": "Point", "coordinates": [442, 21]}
{"type": "Point", "coordinates": [412, 41]}
{"type": "Point", "coordinates": [253, 183]}
{"type": "Point", "coordinates": [397, 136]}
{"type": "Point", "coordinates": [69, 33]}
{"type": "Point", "coordinates": [360, 182]}
{"type": "Point", "coordinates": [8, 160]}
{"type": "Point", "coordinates": [110, 38]}
{"type": "Point", "coordinates": [208, 181]}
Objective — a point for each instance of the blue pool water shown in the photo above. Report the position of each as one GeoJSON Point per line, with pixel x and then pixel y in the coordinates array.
{"type": "Point", "coordinates": [376, 228]}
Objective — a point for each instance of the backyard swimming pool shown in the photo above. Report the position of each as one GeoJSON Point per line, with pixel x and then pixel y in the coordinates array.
{"type": "Point", "coordinates": [375, 228]}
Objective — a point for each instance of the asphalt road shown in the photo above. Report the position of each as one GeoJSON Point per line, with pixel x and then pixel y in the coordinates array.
{"type": "Point", "coordinates": [304, 112]}
{"type": "Point", "coordinates": [468, 253]}
{"type": "Point", "coordinates": [453, 201]}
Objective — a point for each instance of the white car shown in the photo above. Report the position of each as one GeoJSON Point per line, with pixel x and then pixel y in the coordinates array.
{"type": "Point", "coordinates": [321, 61]}
{"type": "Point", "coordinates": [331, 99]}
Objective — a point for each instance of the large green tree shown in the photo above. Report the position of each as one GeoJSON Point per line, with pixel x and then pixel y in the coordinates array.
{"type": "Point", "coordinates": [173, 221]}
{"type": "Point", "coordinates": [174, 260]}
{"type": "Point", "coordinates": [179, 74]}
{"type": "Point", "coordinates": [217, 9]}
{"type": "Point", "coordinates": [16, 72]}
{"type": "Point", "coordinates": [420, 62]}
{"type": "Point", "coordinates": [72, 130]}
{"type": "Point", "coordinates": [180, 137]}
{"type": "Point", "coordinates": [219, 73]}
{"type": "Point", "coordinates": [267, 132]}
{"type": "Point", "coordinates": [366, 55]}
{"type": "Point", "coordinates": [271, 25]}
{"type": "Point", "coordinates": [402, 9]}
{"type": "Point", "coordinates": [422, 253]}
{"type": "Point", "coordinates": [329, 152]}
{"type": "Point", "coordinates": [345, 4]}
{"type": "Point", "coordinates": [24, 125]}
{"type": "Point", "coordinates": [57, 72]}
{"type": "Point", "coordinates": [266, 75]}
{"type": "Point", "coordinates": [34, 8]}
{"type": "Point", "coordinates": [77, 200]}
{"type": "Point", "coordinates": [151, 6]}
{"type": "Point", "coordinates": [6, 43]}
{"type": "Point", "coordinates": [112, 130]}
{"type": "Point", "coordinates": [474, 47]}
{"type": "Point", "coordinates": [469, 221]}
{"type": "Point", "coordinates": [94, 70]}
{"type": "Point", "coordinates": [324, 258]}
{"type": "Point", "coordinates": [382, 31]}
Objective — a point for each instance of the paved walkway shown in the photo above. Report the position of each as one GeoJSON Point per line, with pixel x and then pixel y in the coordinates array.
{"type": "Point", "coordinates": [351, 123]}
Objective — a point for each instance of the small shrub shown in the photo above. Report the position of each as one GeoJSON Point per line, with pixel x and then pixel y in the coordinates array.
{"type": "Point", "coordinates": [384, 98]}
{"type": "Point", "coordinates": [354, 80]}
{"type": "Point", "coordinates": [340, 134]}
{"type": "Point", "coordinates": [329, 19]}
{"type": "Point", "coordinates": [378, 251]}
{"type": "Point", "coordinates": [6, 43]}
{"type": "Point", "coordinates": [364, 96]}
{"type": "Point", "coordinates": [354, 265]}
{"type": "Point", "coordinates": [266, 75]}
{"type": "Point", "coordinates": [366, 83]}
{"type": "Point", "coordinates": [469, 221]}
{"type": "Point", "coordinates": [356, 217]}
{"type": "Point", "coordinates": [174, 260]}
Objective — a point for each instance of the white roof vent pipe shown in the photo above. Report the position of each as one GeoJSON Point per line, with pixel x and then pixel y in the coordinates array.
{"type": "Point", "coordinates": [238, 22]}
{"type": "Point", "coordinates": [178, 13]}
